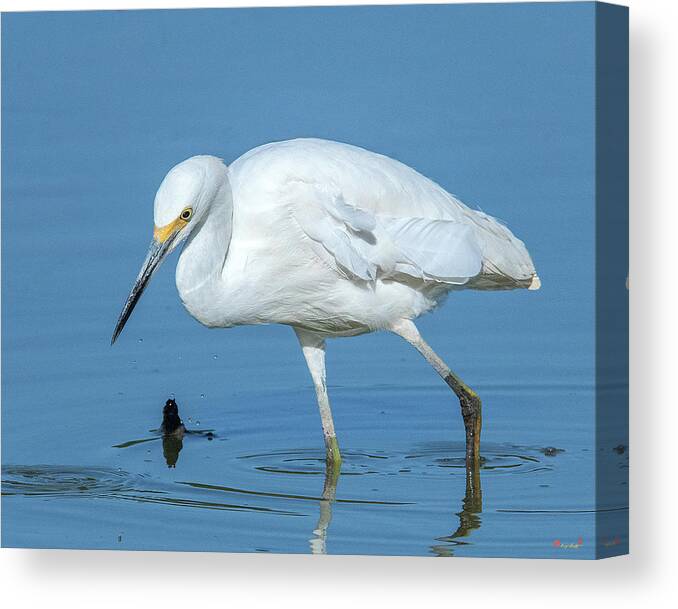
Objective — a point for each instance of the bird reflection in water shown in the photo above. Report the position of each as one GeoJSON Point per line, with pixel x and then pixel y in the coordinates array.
{"type": "Point", "coordinates": [469, 516]}
{"type": "Point", "coordinates": [318, 542]}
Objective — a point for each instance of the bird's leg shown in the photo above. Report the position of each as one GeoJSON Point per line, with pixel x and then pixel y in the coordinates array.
{"type": "Point", "coordinates": [313, 347]}
{"type": "Point", "coordinates": [468, 399]}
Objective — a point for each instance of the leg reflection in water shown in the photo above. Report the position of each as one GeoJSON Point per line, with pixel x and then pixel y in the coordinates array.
{"type": "Point", "coordinates": [469, 517]}
{"type": "Point", "coordinates": [318, 542]}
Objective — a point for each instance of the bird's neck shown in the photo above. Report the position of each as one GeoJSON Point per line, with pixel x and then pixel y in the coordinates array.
{"type": "Point", "coordinates": [199, 271]}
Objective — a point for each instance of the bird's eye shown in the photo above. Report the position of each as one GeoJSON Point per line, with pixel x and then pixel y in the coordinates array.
{"type": "Point", "coordinates": [186, 214]}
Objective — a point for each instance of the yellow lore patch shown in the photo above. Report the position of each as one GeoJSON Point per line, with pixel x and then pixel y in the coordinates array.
{"type": "Point", "coordinates": [162, 233]}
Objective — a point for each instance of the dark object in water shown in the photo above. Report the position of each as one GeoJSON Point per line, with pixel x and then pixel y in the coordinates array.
{"type": "Point", "coordinates": [172, 429]}
{"type": "Point", "coordinates": [171, 422]}
{"type": "Point", "coordinates": [620, 449]}
{"type": "Point", "coordinates": [551, 451]}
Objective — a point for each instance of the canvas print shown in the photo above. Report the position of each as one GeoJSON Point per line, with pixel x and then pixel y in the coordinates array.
{"type": "Point", "coordinates": [384, 307]}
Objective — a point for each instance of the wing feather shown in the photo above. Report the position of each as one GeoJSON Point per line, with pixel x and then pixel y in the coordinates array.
{"type": "Point", "coordinates": [327, 219]}
{"type": "Point", "coordinates": [365, 245]}
{"type": "Point", "coordinates": [443, 250]}
{"type": "Point", "coordinates": [356, 218]}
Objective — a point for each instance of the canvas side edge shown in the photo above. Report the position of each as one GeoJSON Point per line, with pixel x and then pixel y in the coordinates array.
{"type": "Point", "coordinates": [612, 263]}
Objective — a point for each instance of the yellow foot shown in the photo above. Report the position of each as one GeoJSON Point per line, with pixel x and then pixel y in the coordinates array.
{"type": "Point", "coordinates": [471, 407]}
{"type": "Point", "coordinates": [471, 411]}
{"type": "Point", "coordinates": [473, 430]}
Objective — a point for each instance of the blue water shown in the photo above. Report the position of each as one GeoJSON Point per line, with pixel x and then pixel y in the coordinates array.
{"type": "Point", "coordinates": [495, 102]}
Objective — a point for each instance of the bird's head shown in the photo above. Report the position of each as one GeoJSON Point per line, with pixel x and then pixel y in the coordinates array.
{"type": "Point", "coordinates": [181, 204]}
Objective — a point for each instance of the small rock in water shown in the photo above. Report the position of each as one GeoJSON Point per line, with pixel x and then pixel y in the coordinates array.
{"type": "Point", "coordinates": [620, 449]}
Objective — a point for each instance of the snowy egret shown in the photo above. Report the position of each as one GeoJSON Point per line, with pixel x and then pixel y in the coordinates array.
{"type": "Point", "coordinates": [332, 240]}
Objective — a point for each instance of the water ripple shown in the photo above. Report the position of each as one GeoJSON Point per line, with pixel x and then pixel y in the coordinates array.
{"type": "Point", "coordinates": [52, 480]}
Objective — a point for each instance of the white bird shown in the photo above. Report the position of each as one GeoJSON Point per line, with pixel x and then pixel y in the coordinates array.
{"type": "Point", "coordinates": [332, 240]}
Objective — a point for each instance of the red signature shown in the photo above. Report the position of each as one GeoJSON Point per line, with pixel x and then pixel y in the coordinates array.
{"type": "Point", "coordinates": [568, 546]}
{"type": "Point", "coordinates": [615, 541]}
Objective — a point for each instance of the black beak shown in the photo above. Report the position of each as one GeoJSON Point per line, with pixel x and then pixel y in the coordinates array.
{"type": "Point", "coordinates": [156, 254]}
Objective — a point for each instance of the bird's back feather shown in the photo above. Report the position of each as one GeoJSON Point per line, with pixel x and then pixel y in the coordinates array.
{"type": "Point", "coordinates": [373, 217]}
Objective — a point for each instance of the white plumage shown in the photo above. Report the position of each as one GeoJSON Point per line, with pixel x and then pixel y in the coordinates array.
{"type": "Point", "coordinates": [328, 238]}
